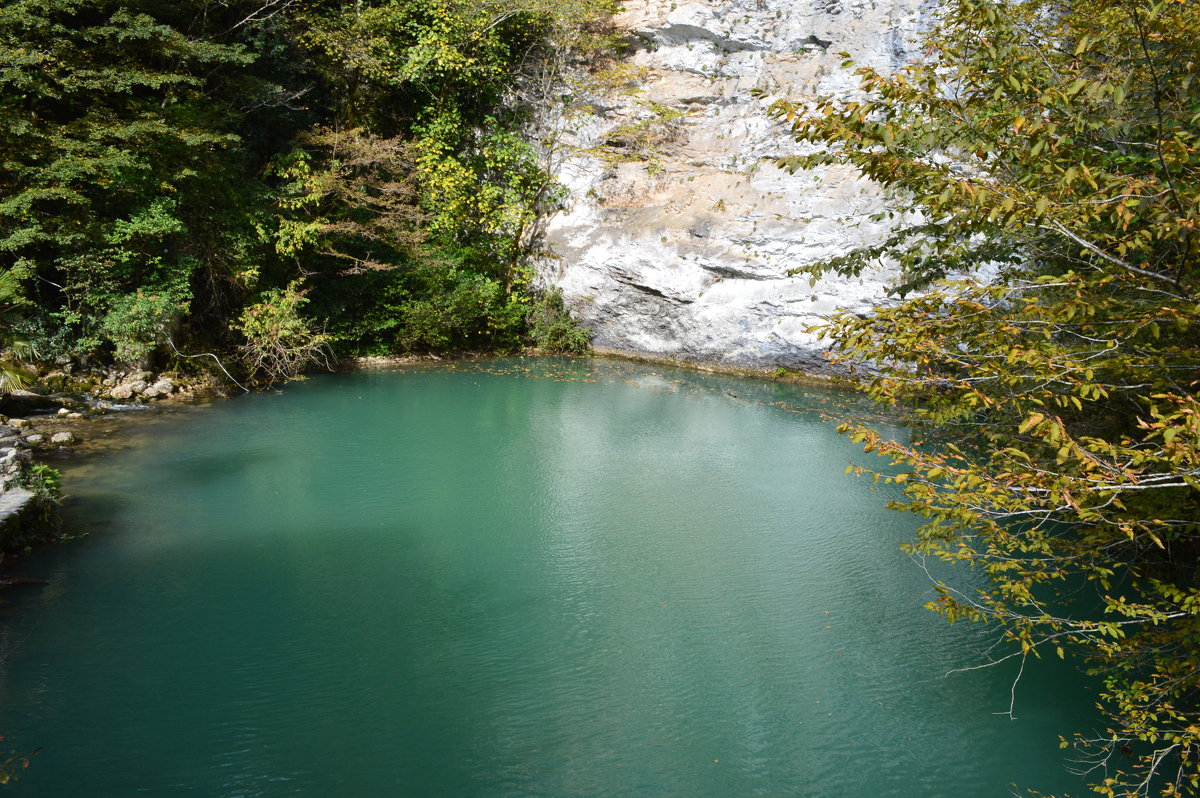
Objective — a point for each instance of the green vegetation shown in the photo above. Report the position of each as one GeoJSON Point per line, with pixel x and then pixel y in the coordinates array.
{"type": "Point", "coordinates": [280, 343]}
{"type": "Point", "coordinates": [15, 351]}
{"type": "Point", "coordinates": [551, 329]}
{"type": "Point", "coordinates": [1045, 162]}
{"type": "Point", "coordinates": [170, 170]}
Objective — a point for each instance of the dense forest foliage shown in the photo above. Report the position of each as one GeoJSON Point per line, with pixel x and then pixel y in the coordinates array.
{"type": "Point", "coordinates": [1044, 160]}
{"type": "Point", "coordinates": [288, 179]}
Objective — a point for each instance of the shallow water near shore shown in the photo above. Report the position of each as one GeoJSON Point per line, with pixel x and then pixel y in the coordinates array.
{"type": "Point", "coordinates": [517, 577]}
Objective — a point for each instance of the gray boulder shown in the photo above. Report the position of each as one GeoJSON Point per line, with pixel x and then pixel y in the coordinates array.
{"type": "Point", "coordinates": [163, 387]}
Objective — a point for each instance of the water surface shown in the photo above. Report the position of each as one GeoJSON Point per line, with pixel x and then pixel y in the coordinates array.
{"type": "Point", "coordinates": [509, 578]}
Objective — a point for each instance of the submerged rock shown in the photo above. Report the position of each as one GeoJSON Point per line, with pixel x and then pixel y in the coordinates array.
{"type": "Point", "coordinates": [16, 402]}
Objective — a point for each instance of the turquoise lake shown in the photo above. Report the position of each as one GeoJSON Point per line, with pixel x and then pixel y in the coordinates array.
{"type": "Point", "coordinates": [520, 577]}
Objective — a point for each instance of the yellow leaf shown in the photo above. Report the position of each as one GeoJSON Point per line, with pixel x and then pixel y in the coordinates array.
{"type": "Point", "coordinates": [1031, 422]}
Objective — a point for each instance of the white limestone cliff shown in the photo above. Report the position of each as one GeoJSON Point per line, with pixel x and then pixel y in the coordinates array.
{"type": "Point", "coordinates": [684, 252]}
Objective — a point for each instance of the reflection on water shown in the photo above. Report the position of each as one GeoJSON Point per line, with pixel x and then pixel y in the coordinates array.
{"type": "Point", "coordinates": [506, 578]}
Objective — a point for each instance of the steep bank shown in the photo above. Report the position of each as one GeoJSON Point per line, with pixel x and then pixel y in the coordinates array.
{"type": "Point", "coordinates": [28, 502]}
{"type": "Point", "coordinates": [679, 231]}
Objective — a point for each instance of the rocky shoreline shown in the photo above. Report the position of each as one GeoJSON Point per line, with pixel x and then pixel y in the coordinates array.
{"type": "Point", "coordinates": [71, 413]}
{"type": "Point", "coordinates": [68, 413]}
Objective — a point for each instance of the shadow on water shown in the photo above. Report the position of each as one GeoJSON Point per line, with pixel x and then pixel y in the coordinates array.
{"type": "Point", "coordinates": [213, 466]}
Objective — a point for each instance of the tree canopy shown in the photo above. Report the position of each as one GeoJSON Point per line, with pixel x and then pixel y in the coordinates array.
{"type": "Point", "coordinates": [165, 167]}
{"type": "Point", "coordinates": [1043, 162]}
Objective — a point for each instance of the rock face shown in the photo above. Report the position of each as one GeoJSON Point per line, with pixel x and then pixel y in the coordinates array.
{"type": "Point", "coordinates": [678, 234]}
